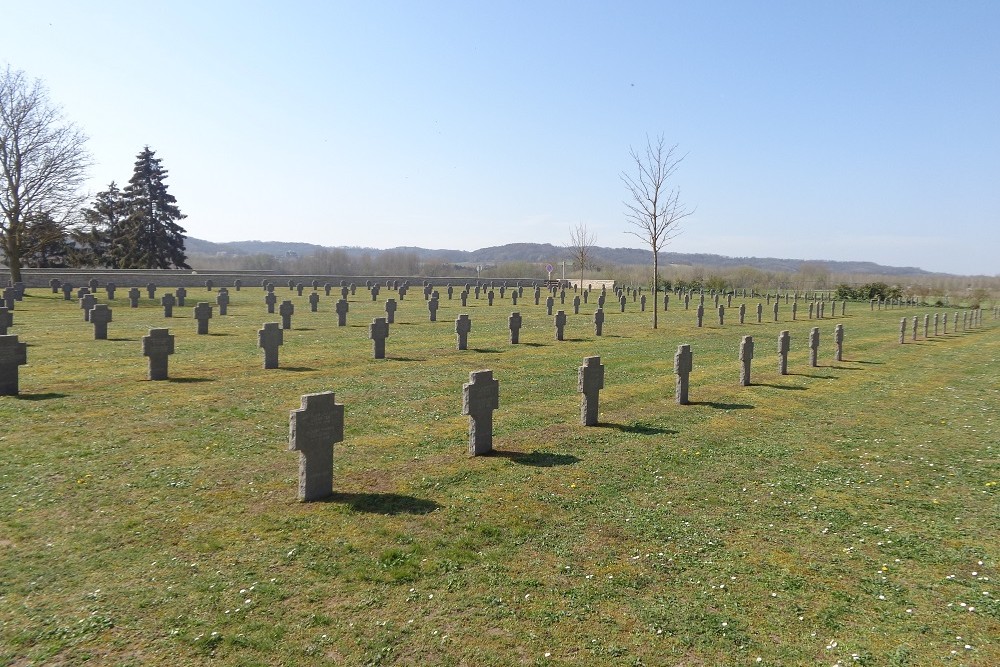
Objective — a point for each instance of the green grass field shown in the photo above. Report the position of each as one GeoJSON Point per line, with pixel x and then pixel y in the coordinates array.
{"type": "Point", "coordinates": [845, 514]}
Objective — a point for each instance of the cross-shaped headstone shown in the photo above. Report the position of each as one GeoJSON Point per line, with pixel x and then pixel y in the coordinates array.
{"type": "Point", "coordinates": [269, 339]}
{"type": "Point", "coordinates": [666, 301]}
{"type": "Point", "coordinates": [746, 356]}
{"type": "Point", "coordinates": [560, 324]}
{"type": "Point", "coordinates": [151, 290]}
{"type": "Point", "coordinates": [514, 324]}
{"type": "Point", "coordinates": [100, 315]}
{"type": "Point", "coordinates": [313, 302]}
{"type": "Point", "coordinates": [513, 297]}
{"type": "Point", "coordinates": [480, 397]}
{"type": "Point", "coordinates": [464, 296]}
{"type": "Point", "coordinates": [157, 346]}
{"type": "Point", "coordinates": [576, 305]}
{"type": "Point", "coordinates": [774, 310]}
{"type": "Point", "coordinates": [378, 331]}
{"type": "Point", "coordinates": [312, 432]}
{"type": "Point", "coordinates": [432, 309]}
{"type": "Point", "coordinates": [80, 293]}
{"type": "Point", "coordinates": [621, 302]}
{"type": "Point", "coordinates": [687, 301]}
{"type": "Point", "coordinates": [838, 341]}
{"type": "Point", "coordinates": [341, 309]}
{"type": "Point", "coordinates": [6, 320]}
{"type": "Point", "coordinates": [590, 381]}
{"type": "Point", "coordinates": [683, 365]}
{"type": "Point", "coordinates": [599, 322]}
{"type": "Point", "coordinates": [12, 355]}
{"type": "Point", "coordinates": [784, 345]}
{"type": "Point", "coordinates": [937, 324]}
{"type": "Point", "coordinates": [902, 329]}
{"type": "Point", "coordinates": [489, 297]}
{"type": "Point", "coordinates": [538, 294]}
{"type": "Point", "coordinates": [110, 290]}
{"type": "Point", "coordinates": [602, 297]}
{"type": "Point", "coordinates": [203, 313]}
{"type": "Point", "coordinates": [299, 287]}
{"type": "Point", "coordinates": [286, 310]}
{"type": "Point", "coordinates": [209, 284]}
{"type": "Point", "coordinates": [67, 291]}
{"type": "Point", "coordinates": [238, 284]}
{"type": "Point", "coordinates": [927, 324]}
{"type": "Point", "coordinates": [181, 294]}
{"type": "Point", "coordinates": [814, 347]}
{"type": "Point", "coordinates": [168, 301]}
{"type": "Point", "coordinates": [722, 315]}
{"type": "Point", "coordinates": [270, 299]}
{"type": "Point", "coordinates": [222, 300]}
{"type": "Point", "coordinates": [327, 287]}
{"type": "Point", "coordinates": [54, 284]}
{"type": "Point", "coordinates": [812, 308]}
{"type": "Point", "coordinates": [87, 302]}
{"type": "Point", "coordinates": [549, 304]}
{"type": "Point", "coordinates": [760, 312]}
{"type": "Point", "coordinates": [700, 314]}
{"type": "Point", "coordinates": [642, 303]}
{"type": "Point", "coordinates": [463, 325]}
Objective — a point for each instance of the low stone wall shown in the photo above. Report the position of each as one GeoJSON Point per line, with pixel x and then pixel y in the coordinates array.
{"type": "Point", "coordinates": [35, 278]}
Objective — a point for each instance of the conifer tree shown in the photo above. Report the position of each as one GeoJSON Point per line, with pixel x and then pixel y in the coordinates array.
{"type": "Point", "coordinates": [149, 236]}
{"type": "Point", "coordinates": [101, 224]}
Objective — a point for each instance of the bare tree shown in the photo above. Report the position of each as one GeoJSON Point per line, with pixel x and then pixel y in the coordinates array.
{"type": "Point", "coordinates": [581, 248]}
{"type": "Point", "coordinates": [654, 209]}
{"type": "Point", "coordinates": [42, 164]}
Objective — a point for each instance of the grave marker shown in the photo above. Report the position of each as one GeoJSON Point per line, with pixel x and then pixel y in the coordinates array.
{"type": "Point", "coordinates": [203, 313]}
{"type": "Point", "coordinates": [286, 310]}
{"type": "Point", "coordinates": [341, 309]}
{"type": "Point", "coordinates": [6, 320]}
{"type": "Point", "coordinates": [270, 299]}
{"type": "Point", "coordinates": [390, 311]}
{"type": "Point", "coordinates": [599, 322]}
{"type": "Point", "coordinates": [151, 290]}
{"type": "Point", "coordinates": [168, 301]}
{"type": "Point", "coordinates": [590, 381]}
{"type": "Point", "coordinates": [181, 296]}
{"type": "Point", "coordinates": [838, 342]}
{"type": "Point", "coordinates": [312, 431]}
{"type": "Point", "coordinates": [514, 324]}
{"type": "Point", "coordinates": [463, 325]}
{"type": "Point", "coordinates": [13, 354]}
{"type": "Point", "coordinates": [378, 331]}
{"type": "Point", "coordinates": [746, 356]}
{"type": "Point", "coordinates": [110, 290]}
{"type": "Point", "coordinates": [480, 397]}
{"type": "Point", "coordinates": [222, 300]}
{"type": "Point", "coordinates": [269, 339]}
{"type": "Point", "coordinates": [683, 365]}
{"type": "Point", "coordinates": [784, 345]}
{"type": "Point", "coordinates": [814, 347]}
{"type": "Point", "coordinates": [313, 302]}
{"type": "Point", "coordinates": [87, 302]}
{"type": "Point", "coordinates": [432, 309]}
{"type": "Point", "coordinates": [158, 345]}
{"type": "Point", "coordinates": [560, 324]}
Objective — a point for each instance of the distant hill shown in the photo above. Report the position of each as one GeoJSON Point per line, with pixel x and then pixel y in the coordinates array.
{"type": "Point", "coordinates": [545, 252]}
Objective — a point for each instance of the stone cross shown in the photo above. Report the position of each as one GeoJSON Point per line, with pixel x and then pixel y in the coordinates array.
{"type": "Point", "coordinates": [203, 313]}
{"type": "Point", "coordinates": [286, 310]}
{"type": "Point", "coordinates": [514, 323]}
{"type": "Point", "coordinates": [513, 297]}
{"type": "Point", "coordinates": [390, 311]}
{"type": "Point", "coordinates": [746, 355]}
{"type": "Point", "coordinates": [621, 302]}
{"type": "Point", "coordinates": [222, 299]}
{"type": "Point", "coordinates": [687, 301]}
{"type": "Point", "coordinates": [327, 287]}
{"type": "Point", "coordinates": [927, 324]}
{"type": "Point", "coordinates": [6, 320]}
{"type": "Point", "coordinates": [666, 301]}
{"type": "Point", "coordinates": [299, 287]}
{"type": "Point", "coordinates": [158, 345]}
{"type": "Point", "coordinates": [599, 322]}
{"type": "Point", "coordinates": [902, 330]}
{"type": "Point", "coordinates": [760, 312]}
{"type": "Point", "coordinates": [238, 284]}
{"type": "Point", "coordinates": [451, 290]}
{"type": "Point", "coordinates": [945, 324]}
{"type": "Point", "coordinates": [11, 293]}
{"type": "Point", "coordinates": [576, 305]}
{"type": "Point", "coordinates": [562, 297]}
{"type": "Point", "coordinates": [100, 315]}
{"type": "Point", "coordinates": [378, 331]}
{"type": "Point", "coordinates": [642, 304]}
{"type": "Point", "coordinates": [432, 309]}
{"type": "Point", "coordinates": [133, 297]}
{"type": "Point", "coordinates": [549, 303]}
{"type": "Point", "coordinates": [701, 314]}
{"type": "Point", "coordinates": [586, 295]}
{"type": "Point", "coordinates": [344, 291]}
{"type": "Point", "coordinates": [812, 307]}
{"type": "Point", "coordinates": [341, 308]}
{"type": "Point", "coordinates": [489, 297]}
{"type": "Point", "coordinates": [209, 285]}
{"type": "Point", "coordinates": [722, 315]}
{"type": "Point", "coordinates": [464, 296]}
{"type": "Point", "coordinates": [269, 339]}
{"type": "Point", "coordinates": [313, 302]}
{"type": "Point", "coordinates": [784, 345]}
{"type": "Point", "coordinates": [463, 325]}
{"type": "Point", "coordinates": [814, 347]}
{"type": "Point", "coordinates": [181, 296]}
{"type": "Point", "coordinates": [937, 323]}
{"type": "Point", "coordinates": [270, 299]}
{"type": "Point", "coordinates": [743, 312]}
{"type": "Point", "coordinates": [12, 355]}
{"type": "Point", "coordinates": [538, 294]}
{"type": "Point", "coordinates": [914, 327]}
{"type": "Point", "coordinates": [560, 324]}
{"type": "Point", "coordinates": [838, 342]}
{"type": "Point", "coordinates": [110, 289]}
{"type": "Point", "coordinates": [375, 292]}
{"type": "Point", "coordinates": [716, 300]}
{"type": "Point", "coordinates": [683, 365]}
{"type": "Point", "coordinates": [312, 431]}
{"type": "Point", "coordinates": [795, 311]}
{"type": "Point", "coordinates": [590, 381]}
{"type": "Point", "coordinates": [67, 291]}
{"type": "Point", "coordinates": [480, 397]}
{"type": "Point", "coordinates": [54, 284]}
{"type": "Point", "coordinates": [87, 302]}
{"type": "Point", "coordinates": [600, 300]}
{"type": "Point", "coordinates": [775, 309]}
{"type": "Point", "coordinates": [93, 284]}
{"type": "Point", "coordinates": [151, 290]}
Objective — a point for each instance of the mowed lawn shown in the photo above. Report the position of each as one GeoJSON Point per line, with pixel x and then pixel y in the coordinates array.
{"type": "Point", "coordinates": [841, 514]}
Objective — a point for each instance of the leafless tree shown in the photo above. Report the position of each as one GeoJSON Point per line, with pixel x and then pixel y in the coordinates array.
{"type": "Point", "coordinates": [581, 248]}
{"type": "Point", "coordinates": [42, 164]}
{"type": "Point", "coordinates": [654, 208]}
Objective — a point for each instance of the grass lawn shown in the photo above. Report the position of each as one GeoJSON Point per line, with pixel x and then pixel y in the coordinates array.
{"type": "Point", "coordinates": [841, 514]}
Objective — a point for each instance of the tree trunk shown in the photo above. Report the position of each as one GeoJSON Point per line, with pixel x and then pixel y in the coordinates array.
{"type": "Point", "coordinates": [656, 286]}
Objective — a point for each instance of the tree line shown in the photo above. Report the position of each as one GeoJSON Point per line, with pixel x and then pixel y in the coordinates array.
{"type": "Point", "coordinates": [43, 220]}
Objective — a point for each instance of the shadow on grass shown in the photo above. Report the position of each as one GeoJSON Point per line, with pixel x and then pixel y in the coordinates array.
{"type": "Point", "coordinates": [296, 369]}
{"type": "Point", "coordinates": [536, 459]}
{"type": "Point", "coordinates": [394, 358]}
{"type": "Point", "coordinates": [575, 340]}
{"type": "Point", "coordinates": [221, 333]}
{"type": "Point", "coordinates": [724, 406]}
{"type": "Point", "coordinates": [120, 340]}
{"type": "Point", "coordinates": [383, 503]}
{"type": "Point", "coordinates": [776, 386]}
{"type": "Point", "coordinates": [638, 429]}
{"type": "Point", "coordinates": [189, 380]}
{"type": "Point", "coordinates": [858, 361]}
{"type": "Point", "coordinates": [485, 350]}
{"type": "Point", "coordinates": [816, 377]}
{"type": "Point", "coordinates": [534, 344]}
{"type": "Point", "coordinates": [304, 329]}
{"type": "Point", "coordinates": [40, 397]}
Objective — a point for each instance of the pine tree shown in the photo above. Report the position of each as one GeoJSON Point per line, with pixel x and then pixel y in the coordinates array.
{"type": "Point", "coordinates": [149, 236]}
{"type": "Point", "coordinates": [44, 243]}
{"type": "Point", "coordinates": [102, 222]}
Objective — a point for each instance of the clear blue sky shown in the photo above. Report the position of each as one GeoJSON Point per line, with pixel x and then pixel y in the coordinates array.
{"type": "Point", "coordinates": [814, 130]}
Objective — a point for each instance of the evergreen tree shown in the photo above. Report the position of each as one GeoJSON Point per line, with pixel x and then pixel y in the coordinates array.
{"type": "Point", "coordinates": [101, 224]}
{"type": "Point", "coordinates": [149, 236]}
{"type": "Point", "coordinates": [44, 243]}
